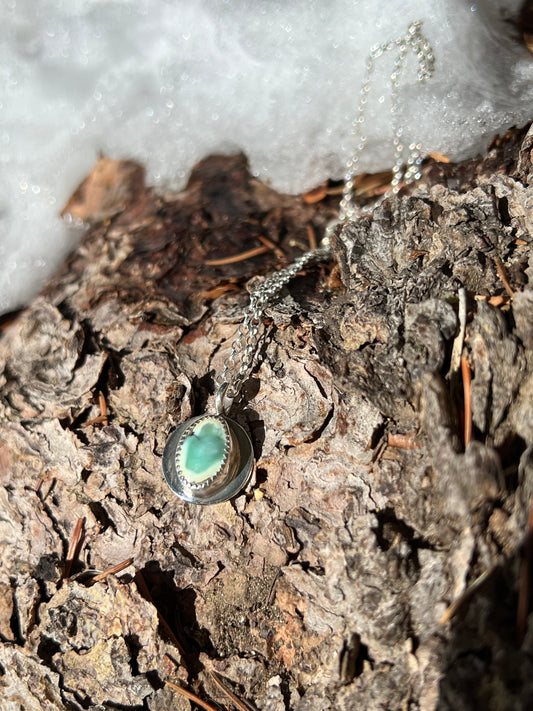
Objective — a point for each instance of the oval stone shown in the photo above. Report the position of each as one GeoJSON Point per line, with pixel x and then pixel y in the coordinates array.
{"type": "Point", "coordinates": [204, 452]}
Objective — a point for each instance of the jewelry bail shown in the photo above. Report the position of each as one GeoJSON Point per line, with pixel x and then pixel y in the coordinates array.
{"type": "Point", "coordinates": [223, 402]}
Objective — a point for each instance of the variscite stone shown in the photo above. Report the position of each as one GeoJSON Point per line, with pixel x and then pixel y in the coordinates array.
{"type": "Point", "coordinates": [204, 452]}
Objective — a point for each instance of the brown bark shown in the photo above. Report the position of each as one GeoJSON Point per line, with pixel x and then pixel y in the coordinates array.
{"type": "Point", "coordinates": [323, 586]}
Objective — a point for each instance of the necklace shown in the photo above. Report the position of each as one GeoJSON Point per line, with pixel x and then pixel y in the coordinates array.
{"type": "Point", "coordinates": [209, 458]}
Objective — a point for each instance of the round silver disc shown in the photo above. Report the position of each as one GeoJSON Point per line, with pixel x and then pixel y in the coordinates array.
{"type": "Point", "coordinates": [233, 476]}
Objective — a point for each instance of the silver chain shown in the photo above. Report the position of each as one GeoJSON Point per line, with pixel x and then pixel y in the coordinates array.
{"type": "Point", "coordinates": [406, 168]}
{"type": "Point", "coordinates": [245, 345]}
{"type": "Point", "coordinates": [417, 42]}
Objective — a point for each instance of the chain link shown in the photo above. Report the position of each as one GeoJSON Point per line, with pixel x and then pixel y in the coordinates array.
{"type": "Point", "coordinates": [240, 361]}
{"type": "Point", "coordinates": [245, 345]}
{"type": "Point", "coordinates": [414, 40]}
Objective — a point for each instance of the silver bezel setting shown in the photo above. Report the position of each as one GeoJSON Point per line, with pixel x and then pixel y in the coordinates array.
{"type": "Point", "coordinates": [187, 432]}
{"type": "Point", "coordinates": [233, 474]}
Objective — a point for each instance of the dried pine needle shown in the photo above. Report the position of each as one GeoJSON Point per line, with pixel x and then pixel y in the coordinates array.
{"type": "Point", "coordinates": [73, 548]}
{"type": "Point", "coordinates": [439, 157]}
{"type": "Point", "coordinates": [113, 570]}
{"type": "Point", "coordinates": [503, 276]}
{"type": "Point", "coordinates": [273, 247]}
{"type": "Point", "coordinates": [467, 396]}
{"type": "Point", "coordinates": [452, 610]}
{"type": "Point", "coordinates": [243, 256]}
{"type": "Point", "coordinates": [403, 441]}
{"type": "Point", "coordinates": [102, 417]}
{"type": "Point", "coordinates": [192, 697]}
{"type": "Point", "coordinates": [241, 705]}
{"type": "Point", "coordinates": [311, 237]}
{"type": "Point", "coordinates": [316, 194]}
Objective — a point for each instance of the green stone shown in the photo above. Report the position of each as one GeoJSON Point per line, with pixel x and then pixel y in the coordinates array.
{"type": "Point", "coordinates": [203, 452]}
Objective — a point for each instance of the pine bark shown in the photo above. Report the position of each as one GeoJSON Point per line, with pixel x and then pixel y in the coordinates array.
{"type": "Point", "coordinates": [324, 585]}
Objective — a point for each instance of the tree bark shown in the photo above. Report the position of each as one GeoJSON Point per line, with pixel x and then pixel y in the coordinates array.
{"type": "Point", "coordinates": [377, 559]}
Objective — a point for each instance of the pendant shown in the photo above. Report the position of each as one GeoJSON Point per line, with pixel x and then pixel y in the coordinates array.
{"type": "Point", "coordinates": [208, 459]}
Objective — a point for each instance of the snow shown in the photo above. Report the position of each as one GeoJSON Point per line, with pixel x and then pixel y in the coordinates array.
{"type": "Point", "coordinates": [168, 82]}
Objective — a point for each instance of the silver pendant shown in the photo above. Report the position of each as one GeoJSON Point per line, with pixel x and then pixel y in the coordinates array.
{"type": "Point", "coordinates": [208, 459]}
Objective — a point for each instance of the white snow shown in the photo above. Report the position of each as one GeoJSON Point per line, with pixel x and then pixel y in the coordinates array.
{"type": "Point", "coordinates": [168, 82]}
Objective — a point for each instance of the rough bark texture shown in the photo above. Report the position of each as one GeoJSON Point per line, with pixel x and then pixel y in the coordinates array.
{"type": "Point", "coordinates": [323, 585]}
